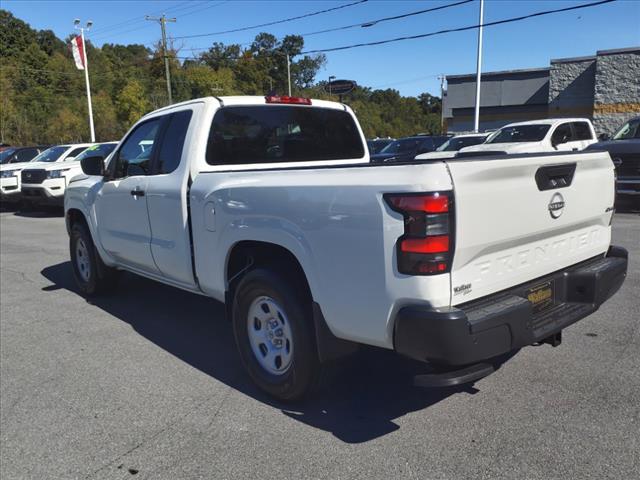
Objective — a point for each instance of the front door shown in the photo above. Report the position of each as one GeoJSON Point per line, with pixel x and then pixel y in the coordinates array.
{"type": "Point", "coordinates": [121, 204]}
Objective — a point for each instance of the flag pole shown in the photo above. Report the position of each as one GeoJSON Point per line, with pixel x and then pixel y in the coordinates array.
{"type": "Point", "coordinates": [86, 77]}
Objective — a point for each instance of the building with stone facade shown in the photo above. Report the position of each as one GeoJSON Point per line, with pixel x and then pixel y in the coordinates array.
{"type": "Point", "coordinates": [604, 87]}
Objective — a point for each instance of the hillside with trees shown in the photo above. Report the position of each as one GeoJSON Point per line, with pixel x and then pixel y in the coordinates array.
{"type": "Point", "coordinates": [43, 94]}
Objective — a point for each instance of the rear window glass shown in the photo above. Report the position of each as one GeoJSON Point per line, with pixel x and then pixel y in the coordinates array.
{"type": "Point", "coordinates": [275, 134]}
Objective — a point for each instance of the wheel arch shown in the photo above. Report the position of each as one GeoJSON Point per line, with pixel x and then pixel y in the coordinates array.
{"type": "Point", "coordinates": [248, 254]}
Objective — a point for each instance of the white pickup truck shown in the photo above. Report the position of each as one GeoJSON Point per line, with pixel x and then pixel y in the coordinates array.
{"type": "Point", "coordinates": [11, 173]}
{"type": "Point", "coordinates": [272, 206]}
{"type": "Point", "coordinates": [45, 183]}
{"type": "Point", "coordinates": [536, 136]}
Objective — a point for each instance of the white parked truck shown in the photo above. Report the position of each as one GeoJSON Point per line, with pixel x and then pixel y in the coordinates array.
{"type": "Point", "coordinates": [45, 183]}
{"type": "Point", "coordinates": [272, 206]}
{"type": "Point", "coordinates": [537, 136]}
{"type": "Point", "coordinates": [11, 173]}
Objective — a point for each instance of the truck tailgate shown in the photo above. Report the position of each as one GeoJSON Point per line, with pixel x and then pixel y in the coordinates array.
{"type": "Point", "coordinates": [521, 217]}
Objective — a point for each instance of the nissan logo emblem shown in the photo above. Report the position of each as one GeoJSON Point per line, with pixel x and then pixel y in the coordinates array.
{"type": "Point", "coordinates": [556, 205]}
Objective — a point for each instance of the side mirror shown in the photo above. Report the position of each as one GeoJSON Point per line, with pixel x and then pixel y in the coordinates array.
{"type": "Point", "coordinates": [603, 137]}
{"type": "Point", "coordinates": [93, 166]}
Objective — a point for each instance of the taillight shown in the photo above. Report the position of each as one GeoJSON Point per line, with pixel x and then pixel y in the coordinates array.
{"type": "Point", "coordinates": [288, 100]}
{"type": "Point", "coordinates": [426, 248]}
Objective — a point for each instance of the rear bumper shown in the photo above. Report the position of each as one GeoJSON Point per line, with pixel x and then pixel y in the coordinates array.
{"type": "Point", "coordinates": [500, 323]}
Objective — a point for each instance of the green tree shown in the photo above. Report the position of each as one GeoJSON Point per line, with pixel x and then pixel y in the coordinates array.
{"type": "Point", "coordinates": [131, 102]}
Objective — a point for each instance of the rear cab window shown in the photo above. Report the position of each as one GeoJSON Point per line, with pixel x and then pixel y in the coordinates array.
{"type": "Point", "coordinates": [257, 134]}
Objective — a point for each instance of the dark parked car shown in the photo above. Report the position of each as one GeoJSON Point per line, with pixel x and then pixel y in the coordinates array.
{"type": "Point", "coordinates": [406, 149]}
{"type": "Point", "coordinates": [377, 144]}
{"type": "Point", "coordinates": [624, 148]}
{"type": "Point", "coordinates": [20, 154]}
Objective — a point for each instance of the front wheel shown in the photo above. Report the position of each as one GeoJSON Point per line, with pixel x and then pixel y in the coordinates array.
{"type": "Point", "coordinates": [274, 334]}
{"type": "Point", "coordinates": [91, 274]}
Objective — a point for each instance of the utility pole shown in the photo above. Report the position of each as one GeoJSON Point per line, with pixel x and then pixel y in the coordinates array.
{"type": "Point", "coordinates": [162, 21]}
{"type": "Point", "coordinates": [85, 60]}
{"type": "Point", "coordinates": [441, 78]}
{"type": "Point", "coordinates": [476, 120]}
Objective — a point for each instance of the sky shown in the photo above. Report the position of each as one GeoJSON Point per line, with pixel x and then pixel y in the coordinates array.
{"type": "Point", "coordinates": [410, 66]}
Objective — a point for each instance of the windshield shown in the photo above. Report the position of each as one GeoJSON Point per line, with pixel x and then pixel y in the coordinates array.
{"type": "Point", "coordinates": [404, 145]}
{"type": "Point", "coordinates": [519, 133]}
{"type": "Point", "coordinates": [631, 129]}
{"type": "Point", "coordinates": [51, 154]}
{"type": "Point", "coordinates": [5, 154]}
{"type": "Point", "coordinates": [100, 150]}
{"type": "Point", "coordinates": [456, 143]}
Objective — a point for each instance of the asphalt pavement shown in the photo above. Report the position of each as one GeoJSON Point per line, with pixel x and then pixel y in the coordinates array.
{"type": "Point", "coordinates": [146, 384]}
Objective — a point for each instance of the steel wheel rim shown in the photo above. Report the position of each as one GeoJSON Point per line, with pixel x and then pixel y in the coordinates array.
{"type": "Point", "coordinates": [82, 260]}
{"type": "Point", "coordinates": [270, 336]}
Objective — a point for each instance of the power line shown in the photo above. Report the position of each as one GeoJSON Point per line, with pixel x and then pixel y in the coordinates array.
{"type": "Point", "coordinates": [371, 23]}
{"type": "Point", "coordinates": [460, 29]}
{"type": "Point", "coordinates": [242, 29]}
{"type": "Point", "coordinates": [116, 26]}
{"type": "Point", "coordinates": [105, 34]}
{"type": "Point", "coordinates": [368, 23]}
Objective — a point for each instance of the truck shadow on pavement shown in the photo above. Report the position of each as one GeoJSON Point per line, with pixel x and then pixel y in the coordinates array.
{"type": "Point", "coordinates": [364, 395]}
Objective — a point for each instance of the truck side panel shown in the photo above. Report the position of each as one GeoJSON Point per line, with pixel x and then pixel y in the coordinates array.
{"type": "Point", "coordinates": [335, 222]}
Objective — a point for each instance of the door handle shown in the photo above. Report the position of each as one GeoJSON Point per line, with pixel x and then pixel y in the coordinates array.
{"type": "Point", "coordinates": [137, 193]}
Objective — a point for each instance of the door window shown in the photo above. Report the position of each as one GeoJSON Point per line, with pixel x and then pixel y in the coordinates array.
{"type": "Point", "coordinates": [134, 157]}
{"type": "Point", "coordinates": [562, 134]}
{"type": "Point", "coordinates": [582, 131]}
{"type": "Point", "coordinates": [173, 141]}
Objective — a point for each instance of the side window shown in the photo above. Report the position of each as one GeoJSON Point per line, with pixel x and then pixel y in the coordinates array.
{"type": "Point", "coordinates": [562, 134]}
{"type": "Point", "coordinates": [582, 131]}
{"type": "Point", "coordinates": [173, 141]}
{"type": "Point", "coordinates": [134, 157]}
{"type": "Point", "coordinates": [26, 155]}
{"type": "Point", "coordinates": [426, 146]}
{"type": "Point", "coordinates": [75, 152]}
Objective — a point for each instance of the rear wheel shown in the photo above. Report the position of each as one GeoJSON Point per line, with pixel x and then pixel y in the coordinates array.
{"type": "Point", "coordinates": [91, 274]}
{"type": "Point", "coordinates": [274, 333]}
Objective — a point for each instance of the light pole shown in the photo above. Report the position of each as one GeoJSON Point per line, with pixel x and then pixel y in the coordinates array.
{"type": "Point", "coordinates": [289, 73]}
{"type": "Point", "coordinates": [76, 25]}
{"type": "Point", "coordinates": [476, 119]}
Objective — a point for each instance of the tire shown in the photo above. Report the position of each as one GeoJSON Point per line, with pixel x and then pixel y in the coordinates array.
{"type": "Point", "coordinates": [265, 303]}
{"type": "Point", "coordinates": [92, 276]}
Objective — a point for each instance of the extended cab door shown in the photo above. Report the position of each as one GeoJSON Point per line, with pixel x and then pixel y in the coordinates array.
{"type": "Point", "coordinates": [167, 189]}
{"type": "Point", "coordinates": [583, 134]}
{"type": "Point", "coordinates": [121, 203]}
{"type": "Point", "coordinates": [562, 138]}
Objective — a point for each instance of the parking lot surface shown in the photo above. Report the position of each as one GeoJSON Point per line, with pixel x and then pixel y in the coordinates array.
{"type": "Point", "coordinates": [146, 384]}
